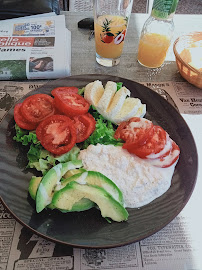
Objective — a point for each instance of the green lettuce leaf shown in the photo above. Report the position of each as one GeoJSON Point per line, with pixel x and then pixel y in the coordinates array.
{"type": "Point", "coordinates": [104, 131]}
{"type": "Point", "coordinates": [39, 158]}
{"type": "Point", "coordinates": [25, 136]}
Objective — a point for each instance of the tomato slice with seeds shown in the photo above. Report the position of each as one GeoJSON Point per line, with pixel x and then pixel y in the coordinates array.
{"type": "Point", "coordinates": [153, 146]}
{"type": "Point", "coordinates": [20, 120]}
{"type": "Point", "coordinates": [85, 125]}
{"type": "Point", "coordinates": [64, 89]}
{"type": "Point", "coordinates": [135, 132]}
{"type": "Point", "coordinates": [57, 134]}
{"type": "Point", "coordinates": [37, 107]}
{"type": "Point", "coordinates": [71, 104]}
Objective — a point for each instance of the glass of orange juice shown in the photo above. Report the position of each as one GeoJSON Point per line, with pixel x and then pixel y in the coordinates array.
{"type": "Point", "coordinates": [111, 19]}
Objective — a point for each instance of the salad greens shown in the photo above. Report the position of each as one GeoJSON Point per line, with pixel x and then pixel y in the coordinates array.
{"type": "Point", "coordinates": [104, 131]}
{"type": "Point", "coordinates": [42, 160]}
{"type": "Point", "coordinates": [39, 158]}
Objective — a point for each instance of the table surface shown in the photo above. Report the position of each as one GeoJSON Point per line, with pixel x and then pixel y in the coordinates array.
{"type": "Point", "coordinates": [83, 49]}
{"type": "Point", "coordinates": [83, 62]}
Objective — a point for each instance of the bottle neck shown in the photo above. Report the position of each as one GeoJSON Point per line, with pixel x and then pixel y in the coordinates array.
{"type": "Point", "coordinates": [164, 9]}
{"type": "Point", "coordinates": [168, 19]}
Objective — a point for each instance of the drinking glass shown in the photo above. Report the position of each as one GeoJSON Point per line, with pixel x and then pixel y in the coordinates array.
{"type": "Point", "coordinates": [111, 18]}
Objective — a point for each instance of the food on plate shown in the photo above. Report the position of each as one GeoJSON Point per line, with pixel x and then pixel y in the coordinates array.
{"type": "Point", "coordinates": [71, 104]}
{"type": "Point", "coordinates": [82, 205]}
{"type": "Point", "coordinates": [64, 89]}
{"type": "Point", "coordinates": [73, 172]}
{"type": "Point", "coordinates": [57, 134]}
{"type": "Point", "coordinates": [139, 181]}
{"type": "Point", "coordinates": [78, 193]}
{"type": "Point", "coordinates": [95, 179]}
{"type": "Point", "coordinates": [135, 132]}
{"type": "Point", "coordinates": [85, 125]}
{"type": "Point", "coordinates": [33, 186]}
{"type": "Point", "coordinates": [37, 107]}
{"type": "Point", "coordinates": [94, 149]}
{"type": "Point", "coordinates": [148, 141]}
{"type": "Point", "coordinates": [50, 180]}
{"type": "Point", "coordinates": [74, 192]}
{"type": "Point", "coordinates": [20, 120]}
{"type": "Point", "coordinates": [112, 104]}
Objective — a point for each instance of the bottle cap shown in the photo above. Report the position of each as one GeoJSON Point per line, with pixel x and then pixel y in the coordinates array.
{"type": "Point", "coordinates": [164, 9]}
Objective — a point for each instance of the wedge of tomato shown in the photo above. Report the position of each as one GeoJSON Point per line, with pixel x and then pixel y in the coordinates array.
{"type": "Point", "coordinates": [57, 134]}
{"type": "Point", "coordinates": [135, 132]}
{"type": "Point", "coordinates": [20, 120]}
{"type": "Point", "coordinates": [85, 125]}
{"type": "Point", "coordinates": [64, 89]}
{"type": "Point", "coordinates": [153, 146]}
{"type": "Point", "coordinates": [37, 107]}
{"type": "Point", "coordinates": [71, 104]}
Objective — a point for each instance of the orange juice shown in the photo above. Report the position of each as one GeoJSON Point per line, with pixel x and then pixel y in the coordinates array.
{"type": "Point", "coordinates": [110, 31]}
{"type": "Point", "coordinates": [152, 49]}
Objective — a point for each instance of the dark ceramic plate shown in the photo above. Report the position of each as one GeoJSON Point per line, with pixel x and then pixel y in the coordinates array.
{"type": "Point", "coordinates": [89, 229]}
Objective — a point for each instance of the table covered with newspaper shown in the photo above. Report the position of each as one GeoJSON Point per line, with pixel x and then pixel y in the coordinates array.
{"type": "Point", "coordinates": [176, 246]}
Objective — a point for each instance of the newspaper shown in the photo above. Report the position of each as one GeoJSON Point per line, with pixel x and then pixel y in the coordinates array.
{"type": "Point", "coordinates": [176, 247]}
{"type": "Point", "coordinates": [35, 47]}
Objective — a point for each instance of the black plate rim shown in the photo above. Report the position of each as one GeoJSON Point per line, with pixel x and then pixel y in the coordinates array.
{"type": "Point", "coordinates": [108, 245]}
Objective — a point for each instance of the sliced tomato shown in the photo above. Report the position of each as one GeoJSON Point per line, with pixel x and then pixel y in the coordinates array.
{"type": "Point", "coordinates": [135, 132]}
{"type": "Point", "coordinates": [85, 125]}
{"type": "Point", "coordinates": [169, 158]}
{"type": "Point", "coordinates": [57, 134]}
{"type": "Point", "coordinates": [20, 120]}
{"type": "Point", "coordinates": [71, 104]}
{"type": "Point", "coordinates": [64, 89]}
{"type": "Point", "coordinates": [153, 146]}
{"type": "Point", "coordinates": [37, 107]}
{"type": "Point", "coordinates": [164, 151]}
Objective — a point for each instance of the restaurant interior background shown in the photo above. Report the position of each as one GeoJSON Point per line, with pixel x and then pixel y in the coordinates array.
{"type": "Point", "coordinates": [139, 6]}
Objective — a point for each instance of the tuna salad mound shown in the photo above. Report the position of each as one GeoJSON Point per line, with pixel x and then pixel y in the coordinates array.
{"type": "Point", "coordinates": [139, 181]}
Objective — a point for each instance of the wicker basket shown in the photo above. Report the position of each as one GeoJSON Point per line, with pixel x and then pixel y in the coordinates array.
{"type": "Point", "coordinates": [189, 73]}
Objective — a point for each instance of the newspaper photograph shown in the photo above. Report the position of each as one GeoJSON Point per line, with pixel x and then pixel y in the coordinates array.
{"type": "Point", "coordinates": [35, 47]}
{"type": "Point", "coordinates": [176, 247]}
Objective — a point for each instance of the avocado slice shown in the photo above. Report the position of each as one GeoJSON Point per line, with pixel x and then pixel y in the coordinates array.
{"type": "Point", "coordinates": [52, 180]}
{"type": "Point", "coordinates": [96, 179]}
{"type": "Point", "coordinates": [73, 192]}
{"type": "Point", "coordinates": [33, 186]}
{"type": "Point", "coordinates": [73, 172]}
{"type": "Point", "coordinates": [82, 205]}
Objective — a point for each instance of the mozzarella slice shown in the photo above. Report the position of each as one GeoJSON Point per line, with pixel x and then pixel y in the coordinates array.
{"type": "Point", "coordinates": [105, 100]}
{"type": "Point", "coordinates": [93, 92]}
{"type": "Point", "coordinates": [118, 101]}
